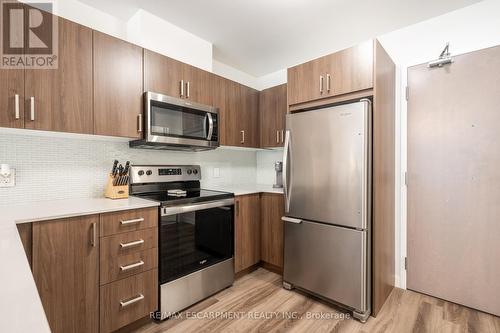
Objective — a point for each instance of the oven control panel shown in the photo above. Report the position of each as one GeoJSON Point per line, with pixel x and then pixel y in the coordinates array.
{"type": "Point", "coordinates": [163, 173]}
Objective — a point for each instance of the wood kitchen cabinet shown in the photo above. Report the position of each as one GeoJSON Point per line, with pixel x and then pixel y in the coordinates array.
{"type": "Point", "coordinates": [118, 87]}
{"type": "Point", "coordinates": [170, 77]}
{"type": "Point", "coordinates": [343, 72]}
{"type": "Point", "coordinates": [246, 231]}
{"type": "Point", "coordinates": [272, 208]}
{"type": "Point", "coordinates": [66, 272]}
{"type": "Point", "coordinates": [62, 97]}
{"type": "Point", "coordinates": [241, 116]}
{"type": "Point", "coordinates": [272, 109]}
{"type": "Point", "coordinates": [12, 98]}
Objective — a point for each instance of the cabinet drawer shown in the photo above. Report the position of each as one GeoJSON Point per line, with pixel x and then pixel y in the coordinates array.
{"type": "Point", "coordinates": [116, 268]}
{"type": "Point", "coordinates": [130, 220]}
{"type": "Point", "coordinates": [127, 300]}
{"type": "Point", "coordinates": [127, 243]}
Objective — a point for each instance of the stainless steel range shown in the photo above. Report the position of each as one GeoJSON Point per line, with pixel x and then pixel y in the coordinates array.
{"type": "Point", "coordinates": [196, 234]}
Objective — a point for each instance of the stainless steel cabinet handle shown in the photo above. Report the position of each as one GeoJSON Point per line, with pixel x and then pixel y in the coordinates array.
{"type": "Point", "coordinates": [132, 266]}
{"type": "Point", "coordinates": [327, 82]}
{"type": "Point", "coordinates": [134, 221]}
{"type": "Point", "coordinates": [282, 136]}
{"type": "Point", "coordinates": [136, 299]}
{"type": "Point", "coordinates": [321, 84]}
{"type": "Point", "coordinates": [242, 137]}
{"type": "Point", "coordinates": [139, 123]}
{"type": "Point", "coordinates": [182, 88]}
{"type": "Point", "coordinates": [188, 85]}
{"type": "Point", "coordinates": [131, 244]}
{"type": "Point", "coordinates": [32, 108]}
{"type": "Point", "coordinates": [277, 136]}
{"type": "Point", "coordinates": [291, 220]}
{"type": "Point", "coordinates": [93, 235]}
{"type": "Point", "coordinates": [16, 106]}
{"type": "Point", "coordinates": [237, 208]}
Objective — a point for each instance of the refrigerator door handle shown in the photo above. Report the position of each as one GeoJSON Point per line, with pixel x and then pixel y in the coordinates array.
{"type": "Point", "coordinates": [286, 165]}
{"type": "Point", "coordinates": [291, 220]}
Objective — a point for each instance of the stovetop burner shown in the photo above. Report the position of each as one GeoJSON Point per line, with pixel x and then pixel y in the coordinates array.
{"type": "Point", "coordinates": [192, 196]}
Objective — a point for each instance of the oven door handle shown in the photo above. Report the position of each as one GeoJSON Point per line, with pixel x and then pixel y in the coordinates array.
{"type": "Point", "coordinates": [167, 211]}
{"type": "Point", "coordinates": [210, 126]}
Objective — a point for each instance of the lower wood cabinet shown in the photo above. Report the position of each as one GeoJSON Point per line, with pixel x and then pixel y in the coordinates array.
{"type": "Point", "coordinates": [66, 272]}
{"type": "Point", "coordinates": [272, 208]}
{"type": "Point", "coordinates": [128, 300]}
{"type": "Point", "coordinates": [93, 275]}
{"type": "Point", "coordinates": [246, 231]}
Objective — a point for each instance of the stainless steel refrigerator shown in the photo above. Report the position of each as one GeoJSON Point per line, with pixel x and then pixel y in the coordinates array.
{"type": "Point", "coordinates": [327, 222]}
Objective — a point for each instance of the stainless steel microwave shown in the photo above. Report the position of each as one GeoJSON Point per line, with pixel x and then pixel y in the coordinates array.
{"type": "Point", "coordinates": [178, 124]}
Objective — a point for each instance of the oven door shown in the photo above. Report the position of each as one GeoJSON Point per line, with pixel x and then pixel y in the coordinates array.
{"type": "Point", "coordinates": [193, 237]}
{"type": "Point", "coordinates": [179, 122]}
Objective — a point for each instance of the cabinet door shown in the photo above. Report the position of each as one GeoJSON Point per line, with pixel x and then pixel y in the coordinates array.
{"type": "Point", "coordinates": [233, 135]}
{"type": "Point", "coordinates": [247, 231]}
{"type": "Point", "coordinates": [199, 85]}
{"type": "Point", "coordinates": [304, 82]}
{"type": "Point", "coordinates": [272, 209]}
{"type": "Point", "coordinates": [66, 272]}
{"type": "Point", "coordinates": [350, 70]}
{"type": "Point", "coordinates": [272, 109]}
{"type": "Point", "coordinates": [63, 96]}
{"type": "Point", "coordinates": [117, 87]}
{"type": "Point", "coordinates": [248, 117]}
{"type": "Point", "coordinates": [220, 101]}
{"type": "Point", "coordinates": [162, 74]}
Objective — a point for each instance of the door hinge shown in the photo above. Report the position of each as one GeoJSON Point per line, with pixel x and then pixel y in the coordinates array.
{"type": "Point", "coordinates": [407, 93]}
{"type": "Point", "coordinates": [406, 263]}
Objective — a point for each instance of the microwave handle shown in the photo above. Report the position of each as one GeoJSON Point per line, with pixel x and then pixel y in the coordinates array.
{"type": "Point", "coordinates": [210, 126]}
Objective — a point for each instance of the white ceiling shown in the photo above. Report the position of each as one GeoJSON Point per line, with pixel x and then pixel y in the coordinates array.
{"type": "Point", "coordinates": [262, 36]}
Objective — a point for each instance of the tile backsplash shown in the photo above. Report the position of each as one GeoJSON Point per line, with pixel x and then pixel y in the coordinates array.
{"type": "Point", "coordinates": [59, 167]}
{"type": "Point", "coordinates": [265, 165]}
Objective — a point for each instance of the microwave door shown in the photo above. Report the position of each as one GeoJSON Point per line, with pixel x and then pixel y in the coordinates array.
{"type": "Point", "coordinates": [179, 121]}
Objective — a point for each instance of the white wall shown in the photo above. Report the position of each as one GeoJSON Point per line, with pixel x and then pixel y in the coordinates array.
{"type": "Point", "coordinates": [265, 165]}
{"type": "Point", "coordinates": [467, 29]}
{"type": "Point", "coordinates": [156, 34]}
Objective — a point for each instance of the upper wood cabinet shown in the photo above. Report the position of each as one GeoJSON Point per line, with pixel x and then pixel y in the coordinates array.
{"type": "Point", "coordinates": [66, 272]}
{"type": "Point", "coordinates": [12, 98]}
{"type": "Point", "coordinates": [240, 116]}
{"type": "Point", "coordinates": [272, 109]}
{"type": "Point", "coordinates": [170, 77]}
{"type": "Point", "coordinates": [272, 208]}
{"type": "Point", "coordinates": [62, 97]}
{"type": "Point", "coordinates": [118, 87]}
{"type": "Point", "coordinates": [246, 231]}
{"type": "Point", "coordinates": [343, 72]}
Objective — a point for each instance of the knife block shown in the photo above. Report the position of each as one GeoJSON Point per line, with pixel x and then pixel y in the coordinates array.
{"type": "Point", "coordinates": [115, 192]}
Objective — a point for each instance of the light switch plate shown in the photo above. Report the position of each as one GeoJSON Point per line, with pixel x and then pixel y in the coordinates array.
{"type": "Point", "coordinates": [8, 181]}
{"type": "Point", "coordinates": [216, 172]}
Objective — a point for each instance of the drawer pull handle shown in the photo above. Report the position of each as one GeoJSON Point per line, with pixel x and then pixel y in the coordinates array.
{"type": "Point", "coordinates": [130, 244]}
{"type": "Point", "coordinates": [131, 266]}
{"type": "Point", "coordinates": [136, 299]}
{"type": "Point", "coordinates": [134, 221]}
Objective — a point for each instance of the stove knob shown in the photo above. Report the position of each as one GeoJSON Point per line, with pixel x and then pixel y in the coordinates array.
{"type": "Point", "coordinates": [195, 171]}
{"type": "Point", "coordinates": [149, 172]}
{"type": "Point", "coordinates": [141, 172]}
{"type": "Point", "coordinates": [189, 171]}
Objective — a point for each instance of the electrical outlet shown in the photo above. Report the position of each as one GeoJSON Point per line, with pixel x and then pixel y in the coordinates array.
{"type": "Point", "coordinates": [216, 172]}
{"type": "Point", "coordinates": [9, 181]}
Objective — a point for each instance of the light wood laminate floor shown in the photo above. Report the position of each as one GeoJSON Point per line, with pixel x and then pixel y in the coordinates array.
{"type": "Point", "coordinates": [260, 294]}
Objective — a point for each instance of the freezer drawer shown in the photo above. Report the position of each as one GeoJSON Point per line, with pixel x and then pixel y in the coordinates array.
{"type": "Point", "coordinates": [329, 261]}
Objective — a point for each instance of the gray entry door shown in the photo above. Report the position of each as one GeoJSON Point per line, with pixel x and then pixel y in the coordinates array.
{"type": "Point", "coordinates": [329, 159]}
{"type": "Point", "coordinates": [454, 180]}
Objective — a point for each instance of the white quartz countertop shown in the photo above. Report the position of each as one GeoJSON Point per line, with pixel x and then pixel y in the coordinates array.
{"type": "Point", "coordinates": [20, 307]}
{"type": "Point", "coordinates": [247, 189]}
